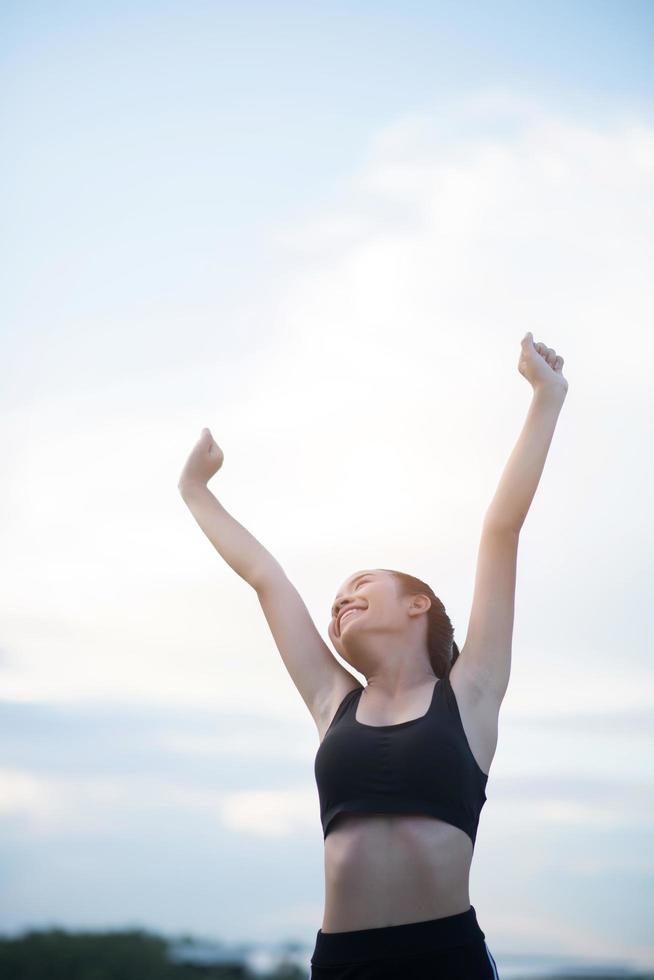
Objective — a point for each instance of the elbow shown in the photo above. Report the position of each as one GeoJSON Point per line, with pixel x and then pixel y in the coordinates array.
{"type": "Point", "coordinates": [495, 524]}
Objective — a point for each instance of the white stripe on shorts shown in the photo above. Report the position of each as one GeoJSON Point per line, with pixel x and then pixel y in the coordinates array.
{"type": "Point", "coordinates": [496, 975]}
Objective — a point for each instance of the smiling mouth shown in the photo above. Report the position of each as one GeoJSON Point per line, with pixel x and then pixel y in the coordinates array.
{"type": "Point", "coordinates": [350, 612]}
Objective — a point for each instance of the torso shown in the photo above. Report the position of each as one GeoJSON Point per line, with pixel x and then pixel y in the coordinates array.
{"type": "Point", "coordinates": [391, 869]}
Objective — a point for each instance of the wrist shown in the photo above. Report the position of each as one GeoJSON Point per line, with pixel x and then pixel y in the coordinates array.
{"type": "Point", "coordinates": [189, 487]}
{"type": "Point", "coordinates": [551, 390]}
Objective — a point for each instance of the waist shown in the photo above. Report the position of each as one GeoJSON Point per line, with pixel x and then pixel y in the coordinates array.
{"type": "Point", "coordinates": [359, 945]}
{"type": "Point", "coordinates": [392, 869]}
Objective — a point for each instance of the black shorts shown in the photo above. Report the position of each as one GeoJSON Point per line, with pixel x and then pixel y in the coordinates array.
{"type": "Point", "coordinates": [452, 947]}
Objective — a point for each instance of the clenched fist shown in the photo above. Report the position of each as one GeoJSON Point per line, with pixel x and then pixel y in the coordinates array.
{"type": "Point", "coordinates": [204, 461]}
{"type": "Point", "coordinates": [540, 364]}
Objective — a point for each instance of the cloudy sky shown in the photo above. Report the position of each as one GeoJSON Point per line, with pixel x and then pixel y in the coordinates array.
{"type": "Point", "coordinates": [320, 230]}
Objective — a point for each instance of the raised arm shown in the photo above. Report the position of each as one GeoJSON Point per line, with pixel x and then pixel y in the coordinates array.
{"type": "Point", "coordinates": [542, 367]}
{"type": "Point", "coordinates": [232, 541]}
{"type": "Point", "coordinates": [314, 670]}
{"type": "Point", "coordinates": [486, 654]}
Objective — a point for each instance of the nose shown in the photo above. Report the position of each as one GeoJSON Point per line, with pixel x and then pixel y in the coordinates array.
{"type": "Point", "coordinates": [339, 606]}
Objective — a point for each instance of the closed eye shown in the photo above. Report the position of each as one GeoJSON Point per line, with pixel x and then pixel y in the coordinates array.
{"type": "Point", "coordinates": [356, 586]}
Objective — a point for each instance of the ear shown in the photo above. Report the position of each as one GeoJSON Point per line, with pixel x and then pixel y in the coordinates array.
{"type": "Point", "coordinates": [419, 603]}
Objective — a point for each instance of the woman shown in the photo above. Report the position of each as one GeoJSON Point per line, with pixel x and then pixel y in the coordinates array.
{"type": "Point", "coordinates": [402, 764]}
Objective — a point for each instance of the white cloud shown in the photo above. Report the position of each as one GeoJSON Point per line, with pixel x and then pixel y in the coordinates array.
{"type": "Point", "coordinates": [20, 791]}
{"type": "Point", "coordinates": [270, 813]}
{"type": "Point", "coordinates": [371, 428]}
{"type": "Point", "coordinates": [101, 804]}
{"type": "Point", "coordinates": [541, 931]}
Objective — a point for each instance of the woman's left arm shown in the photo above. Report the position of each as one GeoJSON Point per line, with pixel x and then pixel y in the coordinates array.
{"type": "Point", "coordinates": [486, 654]}
{"type": "Point", "coordinates": [541, 366]}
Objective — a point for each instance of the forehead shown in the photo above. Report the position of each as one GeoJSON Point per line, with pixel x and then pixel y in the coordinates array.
{"type": "Point", "coordinates": [374, 572]}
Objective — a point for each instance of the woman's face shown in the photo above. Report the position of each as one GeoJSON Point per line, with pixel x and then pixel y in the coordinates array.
{"type": "Point", "coordinates": [372, 597]}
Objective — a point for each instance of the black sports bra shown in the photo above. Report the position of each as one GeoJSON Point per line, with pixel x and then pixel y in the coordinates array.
{"type": "Point", "coordinates": [424, 765]}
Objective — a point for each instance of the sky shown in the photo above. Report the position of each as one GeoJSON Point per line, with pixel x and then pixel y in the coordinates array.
{"type": "Point", "coordinates": [321, 230]}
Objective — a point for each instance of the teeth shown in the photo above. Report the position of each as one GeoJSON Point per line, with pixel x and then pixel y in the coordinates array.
{"type": "Point", "coordinates": [350, 612]}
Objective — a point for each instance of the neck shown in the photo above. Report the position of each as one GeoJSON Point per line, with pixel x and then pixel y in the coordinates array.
{"type": "Point", "coordinates": [392, 667]}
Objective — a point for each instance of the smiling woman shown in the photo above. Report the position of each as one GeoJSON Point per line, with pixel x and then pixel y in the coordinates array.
{"type": "Point", "coordinates": [442, 649]}
{"type": "Point", "coordinates": [402, 764]}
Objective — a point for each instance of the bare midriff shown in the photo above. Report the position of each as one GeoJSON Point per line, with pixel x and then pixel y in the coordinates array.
{"type": "Point", "coordinates": [390, 869]}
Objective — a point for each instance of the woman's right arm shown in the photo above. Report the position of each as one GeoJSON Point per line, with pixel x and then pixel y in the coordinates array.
{"type": "Point", "coordinates": [232, 541]}
{"type": "Point", "coordinates": [318, 676]}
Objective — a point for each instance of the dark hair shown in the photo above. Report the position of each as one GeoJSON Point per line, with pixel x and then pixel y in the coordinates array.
{"type": "Point", "coordinates": [443, 651]}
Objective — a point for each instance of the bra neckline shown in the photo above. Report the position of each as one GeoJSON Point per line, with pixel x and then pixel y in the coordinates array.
{"type": "Point", "coordinates": [400, 724]}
